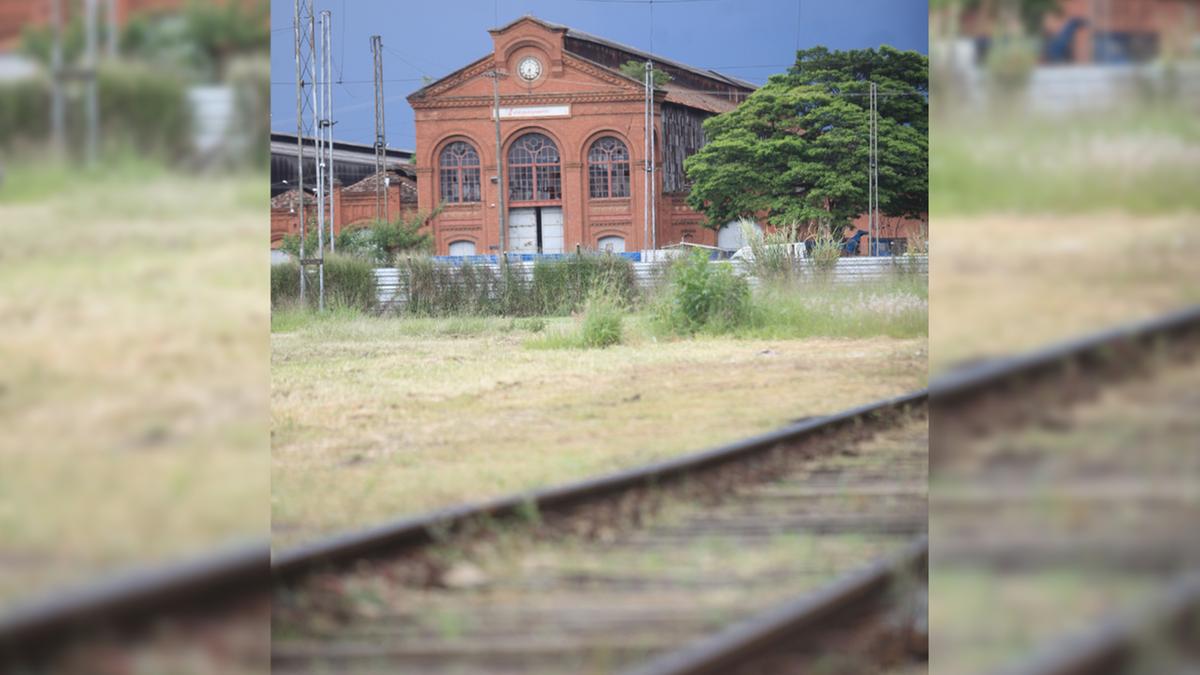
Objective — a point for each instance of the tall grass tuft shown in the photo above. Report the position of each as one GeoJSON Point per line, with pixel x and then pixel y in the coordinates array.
{"type": "Point", "coordinates": [445, 290]}
{"type": "Point", "coordinates": [824, 250]}
{"type": "Point", "coordinates": [916, 247]}
{"type": "Point", "coordinates": [603, 315]}
{"type": "Point", "coordinates": [601, 325]}
{"type": "Point", "coordinates": [771, 258]}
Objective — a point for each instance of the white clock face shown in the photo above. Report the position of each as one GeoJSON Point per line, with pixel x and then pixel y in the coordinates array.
{"type": "Point", "coordinates": [529, 68]}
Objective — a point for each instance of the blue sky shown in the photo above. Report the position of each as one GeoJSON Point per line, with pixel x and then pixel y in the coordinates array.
{"type": "Point", "coordinates": [749, 39]}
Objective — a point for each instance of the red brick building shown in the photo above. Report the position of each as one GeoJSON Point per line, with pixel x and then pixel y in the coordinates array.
{"type": "Point", "coordinates": [572, 135]}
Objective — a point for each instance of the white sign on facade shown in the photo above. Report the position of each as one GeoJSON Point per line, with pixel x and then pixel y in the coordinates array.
{"type": "Point", "coordinates": [527, 111]}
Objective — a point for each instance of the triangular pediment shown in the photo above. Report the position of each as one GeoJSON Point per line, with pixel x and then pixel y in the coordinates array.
{"type": "Point", "coordinates": [529, 18]}
{"type": "Point", "coordinates": [577, 76]}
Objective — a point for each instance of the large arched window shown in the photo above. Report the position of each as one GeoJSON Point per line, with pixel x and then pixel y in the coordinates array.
{"type": "Point", "coordinates": [460, 173]}
{"type": "Point", "coordinates": [608, 168]}
{"type": "Point", "coordinates": [533, 171]}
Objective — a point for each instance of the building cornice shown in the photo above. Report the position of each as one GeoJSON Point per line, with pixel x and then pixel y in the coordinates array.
{"type": "Point", "coordinates": [537, 99]}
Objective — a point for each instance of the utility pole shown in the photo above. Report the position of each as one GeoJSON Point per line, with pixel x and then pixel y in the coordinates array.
{"type": "Point", "coordinates": [653, 151]}
{"type": "Point", "coordinates": [873, 178]}
{"type": "Point", "coordinates": [646, 167]}
{"type": "Point", "coordinates": [495, 75]}
{"type": "Point", "coordinates": [319, 164]}
{"type": "Point", "coordinates": [93, 94]}
{"type": "Point", "coordinates": [57, 101]}
{"type": "Point", "coordinates": [381, 187]}
{"type": "Point", "coordinates": [327, 113]}
{"type": "Point", "coordinates": [302, 30]}
{"type": "Point", "coordinates": [111, 36]}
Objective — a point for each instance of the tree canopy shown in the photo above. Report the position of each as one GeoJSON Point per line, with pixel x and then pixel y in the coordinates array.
{"type": "Point", "coordinates": [798, 148]}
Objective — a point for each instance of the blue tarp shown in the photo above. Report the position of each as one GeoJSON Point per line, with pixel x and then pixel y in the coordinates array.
{"type": "Point", "coordinates": [522, 257]}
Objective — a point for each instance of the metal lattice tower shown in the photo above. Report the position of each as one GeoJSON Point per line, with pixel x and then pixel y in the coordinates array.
{"type": "Point", "coordinates": [305, 50]}
{"type": "Point", "coordinates": [381, 196]}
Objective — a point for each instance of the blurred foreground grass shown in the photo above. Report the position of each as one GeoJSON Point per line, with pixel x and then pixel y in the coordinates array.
{"type": "Point", "coordinates": [1044, 228]}
{"type": "Point", "coordinates": [134, 368]}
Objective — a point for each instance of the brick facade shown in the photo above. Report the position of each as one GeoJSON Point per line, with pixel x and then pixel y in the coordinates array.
{"type": "Point", "coordinates": [573, 101]}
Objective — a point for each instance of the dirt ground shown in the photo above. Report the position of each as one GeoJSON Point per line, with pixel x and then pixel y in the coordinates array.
{"type": "Point", "coordinates": [376, 424]}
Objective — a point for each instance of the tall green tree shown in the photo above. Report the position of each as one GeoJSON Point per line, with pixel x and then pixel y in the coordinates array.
{"type": "Point", "coordinates": [797, 149]}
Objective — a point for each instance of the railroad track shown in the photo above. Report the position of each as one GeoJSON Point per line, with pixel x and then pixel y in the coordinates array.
{"type": "Point", "coordinates": [1064, 503]}
{"type": "Point", "coordinates": [199, 615]}
{"type": "Point", "coordinates": [607, 574]}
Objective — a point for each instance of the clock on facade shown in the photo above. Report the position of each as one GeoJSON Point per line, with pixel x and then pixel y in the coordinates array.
{"type": "Point", "coordinates": [529, 68]}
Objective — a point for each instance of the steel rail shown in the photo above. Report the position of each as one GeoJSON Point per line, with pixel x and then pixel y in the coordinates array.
{"type": "Point", "coordinates": [962, 383]}
{"type": "Point", "coordinates": [1111, 646]}
{"type": "Point", "coordinates": [414, 532]}
{"type": "Point", "coordinates": [32, 630]}
{"type": "Point", "coordinates": [785, 624]}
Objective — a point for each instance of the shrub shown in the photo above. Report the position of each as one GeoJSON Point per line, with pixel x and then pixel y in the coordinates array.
{"type": "Point", "coordinates": [381, 242]}
{"type": "Point", "coordinates": [703, 296]}
{"type": "Point", "coordinates": [349, 282]}
{"type": "Point", "coordinates": [533, 325]}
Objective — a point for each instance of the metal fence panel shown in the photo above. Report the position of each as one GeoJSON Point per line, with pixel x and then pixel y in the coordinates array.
{"type": "Point", "coordinates": [391, 286]}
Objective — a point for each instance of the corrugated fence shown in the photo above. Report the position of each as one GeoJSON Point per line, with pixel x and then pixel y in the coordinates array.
{"type": "Point", "coordinates": [392, 288]}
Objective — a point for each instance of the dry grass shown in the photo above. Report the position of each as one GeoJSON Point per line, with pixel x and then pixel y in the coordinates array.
{"type": "Point", "coordinates": [133, 375]}
{"type": "Point", "coordinates": [1001, 284]}
{"type": "Point", "coordinates": [374, 421]}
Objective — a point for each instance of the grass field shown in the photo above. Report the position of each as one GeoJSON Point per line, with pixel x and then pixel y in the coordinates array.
{"type": "Point", "coordinates": [133, 369]}
{"type": "Point", "coordinates": [377, 417]}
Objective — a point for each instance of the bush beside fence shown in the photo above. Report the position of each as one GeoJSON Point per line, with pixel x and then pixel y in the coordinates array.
{"type": "Point", "coordinates": [349, 282]}
{"type": "Point", "coordinates": [554, 287]}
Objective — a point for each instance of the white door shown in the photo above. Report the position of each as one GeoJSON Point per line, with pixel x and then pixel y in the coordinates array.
{"type": "Point", "coordinates": [552, 229]}
{"type": "Point", "coordinates": [522, 230]}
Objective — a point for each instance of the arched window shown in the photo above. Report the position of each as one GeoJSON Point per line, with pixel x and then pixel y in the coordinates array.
{"type": "Point", "coordinates": [462, 248]}
{"type": "Point", "coordinates": [611, 244]}
{"type": "Point", "coordinates": [608, 168]}
{"type": "Point", "coordinates": [533, 172]}
{"type": "Point", "coordinates": [460, 173]}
